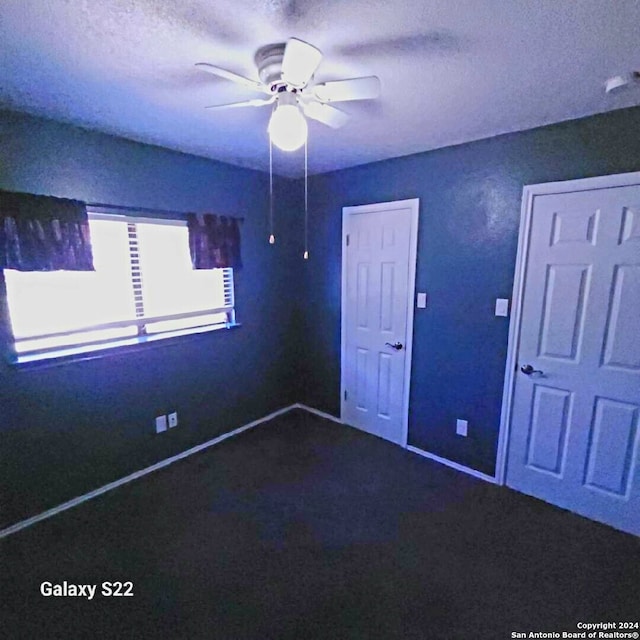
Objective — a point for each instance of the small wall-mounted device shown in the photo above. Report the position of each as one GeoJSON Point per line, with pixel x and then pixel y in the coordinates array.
{"type": "Point", "coordinates": [161, 424]}
{"type": "Point", "coordinates": [616, 83]}
{"type": "Point", "coordinates": [421, 302]}
{"type": "Point", "coordinates": [502, 307]}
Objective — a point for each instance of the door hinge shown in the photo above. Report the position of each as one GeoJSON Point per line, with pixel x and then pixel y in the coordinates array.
{"type": "Point", "coordinates": [347, 239]}
{"type": "Point", "coordinates": [346, 395]}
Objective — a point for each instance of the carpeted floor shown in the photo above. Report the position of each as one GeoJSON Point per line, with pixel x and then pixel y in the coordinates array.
{"type": "Point", "coordinates": [306, 529]}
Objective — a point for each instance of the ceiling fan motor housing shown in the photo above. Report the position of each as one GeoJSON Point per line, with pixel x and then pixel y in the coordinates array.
{"type": "Point", "coordinates": [269, 62]}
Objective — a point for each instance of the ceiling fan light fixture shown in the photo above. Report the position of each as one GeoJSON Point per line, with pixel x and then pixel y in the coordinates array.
{"type": "Point", "coordinates": [287, 127]}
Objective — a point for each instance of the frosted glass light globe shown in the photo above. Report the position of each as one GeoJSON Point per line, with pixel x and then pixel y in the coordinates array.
{"type": "Point", "coordinates": [288, 128]}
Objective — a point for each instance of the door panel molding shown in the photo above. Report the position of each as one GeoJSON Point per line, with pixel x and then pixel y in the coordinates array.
{"type": "Point", "coordinates": [413, 204]}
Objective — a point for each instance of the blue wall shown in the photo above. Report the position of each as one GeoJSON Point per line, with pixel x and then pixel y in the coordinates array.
{"type": "Point", "coordinates": [470, 199]}
{"type": "Point", "coordinates": [67, 429]}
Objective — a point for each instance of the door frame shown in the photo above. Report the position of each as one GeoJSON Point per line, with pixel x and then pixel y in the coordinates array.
{"type": "Point", "coordinates": [413, 204]}
{"type": "Point", "coordinates": [529, 194]}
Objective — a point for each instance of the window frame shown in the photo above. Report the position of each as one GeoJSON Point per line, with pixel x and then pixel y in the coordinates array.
{"type": "Point", "coordinates": [106, 346]}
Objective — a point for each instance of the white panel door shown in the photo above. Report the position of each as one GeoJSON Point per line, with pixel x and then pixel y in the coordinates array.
{"type": "Point", "coordinates": [576, 406]}
{"type": "Point", "coordinates": [378, 281]}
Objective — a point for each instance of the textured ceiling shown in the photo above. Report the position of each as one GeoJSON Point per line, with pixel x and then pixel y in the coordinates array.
{"type": "Point", "coordinates": [451, 70]}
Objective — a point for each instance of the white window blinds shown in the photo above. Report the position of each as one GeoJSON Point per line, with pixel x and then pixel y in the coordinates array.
{"type": "Point", "coordinates": [144, 285]}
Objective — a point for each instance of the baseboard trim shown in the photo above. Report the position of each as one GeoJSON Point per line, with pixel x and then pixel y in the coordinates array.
{"type": "Point", "coordinates": [454, 465]}
{"type": "Point", "coordinates": [317, 412]}
{"type": "Point", "coordinates": [23, 524]}
{"type": "Point", "coordinates": [143, 472]}
{"type": "Point", "coordinates": [421, 452]}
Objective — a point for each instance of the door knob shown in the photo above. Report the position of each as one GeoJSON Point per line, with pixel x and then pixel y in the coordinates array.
{"type": "Point", "coordinates": [397, 346]}
{"type": "Point", "coordinates": [527, 369]}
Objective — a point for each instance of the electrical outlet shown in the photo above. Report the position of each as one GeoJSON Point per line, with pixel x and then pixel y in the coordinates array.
{"type": "Point", "coordinates": [173, 420]}
{"type": "Point", "coordinates": [161, 424]}
{"type": "Point", "coordinates": [461, 427]}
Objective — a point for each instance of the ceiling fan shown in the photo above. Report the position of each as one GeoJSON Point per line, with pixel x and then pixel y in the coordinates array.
{"type": "Point", "coordinates": [286, 73]}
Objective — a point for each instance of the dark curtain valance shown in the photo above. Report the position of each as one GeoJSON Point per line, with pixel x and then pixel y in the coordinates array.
{"type": "Point", "coordinates": [214, 241]}
{"type": "Point", "coordinates": [41, 233]}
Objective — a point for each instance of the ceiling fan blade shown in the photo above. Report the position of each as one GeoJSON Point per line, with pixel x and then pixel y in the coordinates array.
{"type": "Point", "coordinates": [299, 62]}
{"type": "Point", "coordinates": [325, 113]}
{"type": "Point", "coordinates": [354, 89]}
{"type": "Point", "coordinates": [230, 75]}
{"type": "Point", "coordinates": [257, 102]}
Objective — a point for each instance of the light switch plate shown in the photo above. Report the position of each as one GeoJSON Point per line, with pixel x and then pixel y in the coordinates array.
{"type": "Point", "coordinates": [161, 424]}
{"type": "Point", "coordinates": [422, 301]}
{"type": "Point", "coordinates": [502, 307]}
{"type": "Point", "coordinates": [461, 427]}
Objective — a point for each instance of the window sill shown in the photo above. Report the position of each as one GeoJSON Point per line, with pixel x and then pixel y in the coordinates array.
{"type": "Point", "coordinates": [68, 355]}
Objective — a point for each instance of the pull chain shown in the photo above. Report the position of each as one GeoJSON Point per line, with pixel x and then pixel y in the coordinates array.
{"type": "Point", "coordinates": [272, 238]}
{"type": "Point", "coordinates": [305, 255]}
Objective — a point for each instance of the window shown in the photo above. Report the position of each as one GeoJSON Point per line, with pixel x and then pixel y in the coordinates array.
{"type": "Point", "coordinates": [143, 288]}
